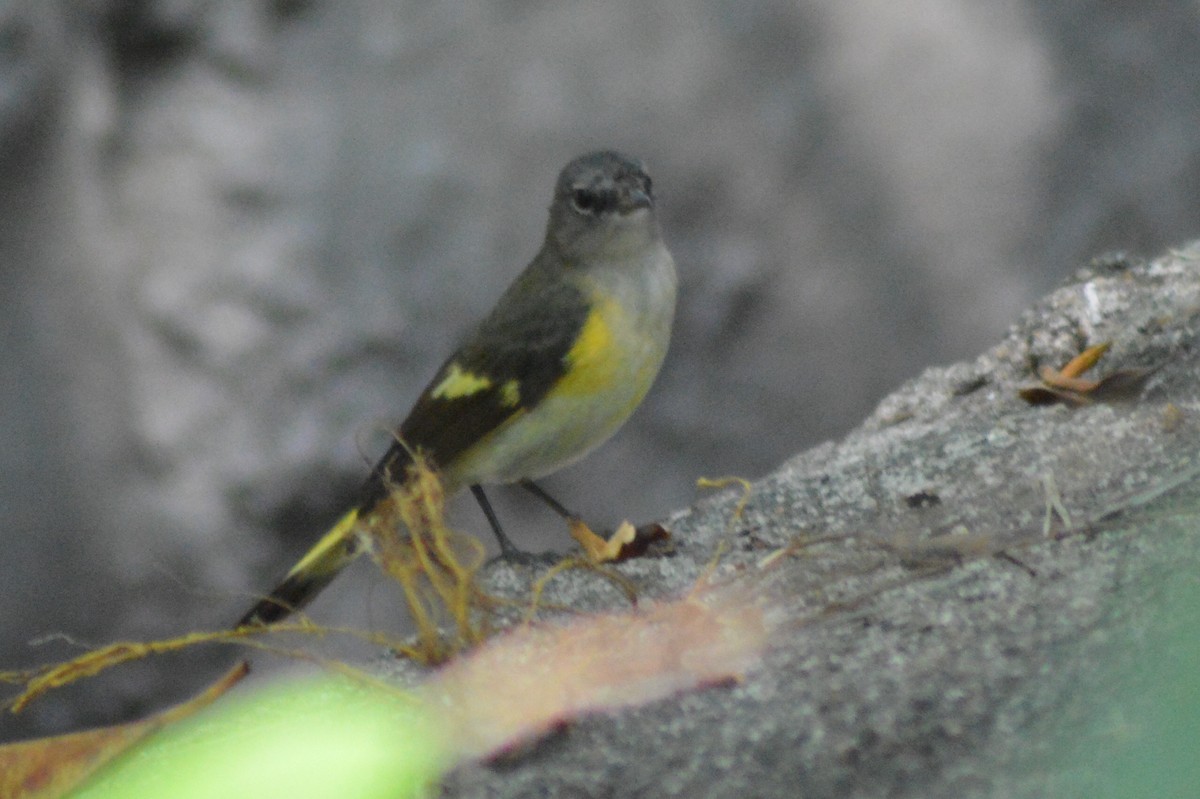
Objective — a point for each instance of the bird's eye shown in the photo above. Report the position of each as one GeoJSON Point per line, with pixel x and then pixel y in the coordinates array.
{"type": "Point", "coordinates": [585, 201]}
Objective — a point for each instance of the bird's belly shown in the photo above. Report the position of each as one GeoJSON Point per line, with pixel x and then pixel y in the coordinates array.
{"type": "Point", "coordinates": [610, 367]}
{"type": "Point", "coordinates": [575, 417]}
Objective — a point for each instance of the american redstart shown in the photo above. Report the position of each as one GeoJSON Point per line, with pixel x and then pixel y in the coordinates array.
{"type": "Point", "coordinates": [559, 364]}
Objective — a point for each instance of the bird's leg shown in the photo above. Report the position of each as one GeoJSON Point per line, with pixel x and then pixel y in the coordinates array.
{"type": "Point", "coordinates": [586, 537]}
{"type": "Point", "coordinates": [551, 502]}
{"type": "Point", "coordinates": [508, 550]}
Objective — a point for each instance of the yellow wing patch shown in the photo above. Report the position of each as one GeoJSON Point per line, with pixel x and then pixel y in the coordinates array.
{"type": "Point", "coordinates": [510, 394]}
{"type": "Point", "coordinates": [459, 383]}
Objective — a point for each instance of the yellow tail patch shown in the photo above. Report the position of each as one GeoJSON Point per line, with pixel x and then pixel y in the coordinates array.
{"type": "Point", "coordinates": [329, 554]}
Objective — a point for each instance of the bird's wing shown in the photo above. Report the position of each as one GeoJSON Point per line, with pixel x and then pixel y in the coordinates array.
{"type": "Point", "coordinates": [507, 366]}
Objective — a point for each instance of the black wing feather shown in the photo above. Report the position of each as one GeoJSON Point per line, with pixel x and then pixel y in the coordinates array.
{"type": "Point", "coordinates": [526, 339]}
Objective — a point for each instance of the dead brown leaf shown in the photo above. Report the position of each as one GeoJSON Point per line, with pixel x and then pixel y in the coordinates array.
{"type": "Point", "coordinates": [52, 767]}
{"type": "Point", "coordinates": [625, 543]}
{"type": "Point", "coordinates": [1066, 385]}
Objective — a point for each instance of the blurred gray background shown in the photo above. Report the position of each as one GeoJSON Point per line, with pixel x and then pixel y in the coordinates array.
{"type": "Point", "coordinates": [237, 237]}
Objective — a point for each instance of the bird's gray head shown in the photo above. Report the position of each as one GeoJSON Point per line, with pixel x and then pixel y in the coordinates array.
{"type": "Point", "coordinates": [603, 206]}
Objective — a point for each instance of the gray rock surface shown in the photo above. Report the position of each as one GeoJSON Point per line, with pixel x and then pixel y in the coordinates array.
{"type": "Point", "coordinates": [986, 598]}
{"type": "Point", "coordinates": [236, 238]}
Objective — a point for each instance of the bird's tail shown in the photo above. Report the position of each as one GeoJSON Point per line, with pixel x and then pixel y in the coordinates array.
{"type": "Point", "coordinates": [313, 572]}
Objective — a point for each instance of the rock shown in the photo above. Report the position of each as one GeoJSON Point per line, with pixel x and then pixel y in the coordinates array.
{"type": "Point", "coordinates": [981, 597]}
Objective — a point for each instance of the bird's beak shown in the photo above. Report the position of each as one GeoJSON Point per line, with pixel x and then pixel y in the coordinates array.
{"type": "Point", "coordinates": [634, 199]}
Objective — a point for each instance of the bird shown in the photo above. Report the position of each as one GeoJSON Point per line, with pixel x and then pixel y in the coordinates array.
{"type": "Point", "coordinates": [557, 366]}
